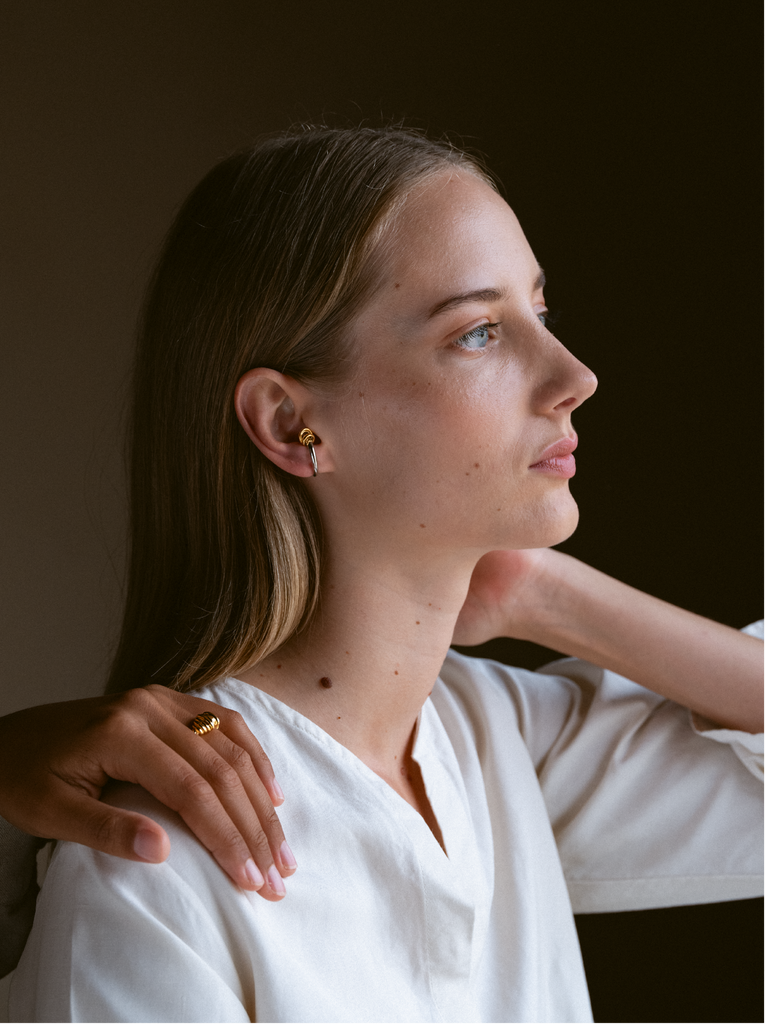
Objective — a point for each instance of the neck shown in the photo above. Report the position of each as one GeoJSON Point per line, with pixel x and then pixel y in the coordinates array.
{"type": "Point", "coordinates": [368, 662]}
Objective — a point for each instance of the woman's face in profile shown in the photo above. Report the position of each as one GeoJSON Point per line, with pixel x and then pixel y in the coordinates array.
{"type": "Point", "coordinates": [462, 398]}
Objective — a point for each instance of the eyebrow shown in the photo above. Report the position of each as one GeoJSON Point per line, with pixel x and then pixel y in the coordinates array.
{"type": "Point", "coordinates": [479, 295]}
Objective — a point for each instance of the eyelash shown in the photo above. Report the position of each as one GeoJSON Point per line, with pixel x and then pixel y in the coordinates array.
{"type": "Point", "coordinates": [547, 319]}
{"type": "Point", "coordinates": [472, 335]}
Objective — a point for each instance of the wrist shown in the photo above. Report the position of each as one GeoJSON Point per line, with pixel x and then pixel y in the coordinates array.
{"type": "Point", "coordinates": [547, 597]}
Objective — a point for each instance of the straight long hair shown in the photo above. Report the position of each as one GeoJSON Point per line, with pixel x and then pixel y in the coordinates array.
{"type": "Point", "coordinates": [266, 264]}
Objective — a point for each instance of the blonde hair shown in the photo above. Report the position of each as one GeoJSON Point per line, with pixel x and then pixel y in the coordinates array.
{"type": "Point", "coordinates": [266, 264]}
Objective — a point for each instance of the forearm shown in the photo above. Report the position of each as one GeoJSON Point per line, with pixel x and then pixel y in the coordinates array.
{"type": "Point", "coordinates": [701, 664]}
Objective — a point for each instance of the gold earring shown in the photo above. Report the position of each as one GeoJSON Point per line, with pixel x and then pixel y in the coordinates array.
{"type": "Point", "coordinates": [308, 438]}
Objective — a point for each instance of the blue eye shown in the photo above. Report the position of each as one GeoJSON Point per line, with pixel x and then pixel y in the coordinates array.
{"type": "Point", "coordinates": [478, 338]}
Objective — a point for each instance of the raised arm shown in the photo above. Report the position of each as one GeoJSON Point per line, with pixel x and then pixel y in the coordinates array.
{"type": "Point", "coordinates": [555, 600]}
{"type": "Point", "coordinates": [56, 759]}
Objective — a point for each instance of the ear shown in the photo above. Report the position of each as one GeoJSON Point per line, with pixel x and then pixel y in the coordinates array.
{"type": "Point", "coordinates": [271, 407]}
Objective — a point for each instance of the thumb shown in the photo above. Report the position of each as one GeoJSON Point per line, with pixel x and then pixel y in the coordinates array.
{"type": "Point", "coordinates": [111, 829]}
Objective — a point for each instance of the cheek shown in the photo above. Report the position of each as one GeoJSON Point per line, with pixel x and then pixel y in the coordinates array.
{"type": "Point", "coordinates": [430, 451]}
{"type": "Point", "coordinates": [449, 447]}
{"type": "Point", "coordinates": [415, 425]}
{"type": "Point", "coordinates": [421, 470]}
{"type": "Point", "coordinates": [464, 399]}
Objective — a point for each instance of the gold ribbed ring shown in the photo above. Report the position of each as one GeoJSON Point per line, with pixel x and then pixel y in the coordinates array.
{"type": "Point", "coordinates": [206, 722]}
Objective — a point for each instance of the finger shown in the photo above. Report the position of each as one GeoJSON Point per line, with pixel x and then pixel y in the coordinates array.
{"type": "Point", "coordinates": [240, 793]}
{"type": "Point", "coordinates": [185, 706]}
{"type": "Point", "coordinates": [269, 827]}
{"type": "Point", "coordinates": [183, 785]}
{"type": "Point", "coordinates": [235, 727]}
{"type": "Point", "coordinates": [177, 768]}
{"type": "Point", "coordinates": [80, 818]}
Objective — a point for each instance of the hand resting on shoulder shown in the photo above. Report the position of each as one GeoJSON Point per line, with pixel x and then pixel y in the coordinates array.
{"type": "Point", "coordinates": [56, 759]}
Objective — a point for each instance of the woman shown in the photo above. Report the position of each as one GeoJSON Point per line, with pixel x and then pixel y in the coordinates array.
{"type": "Point", "coordinates": [352, 443]}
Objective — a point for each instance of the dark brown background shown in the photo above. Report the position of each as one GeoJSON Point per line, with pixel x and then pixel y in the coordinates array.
{"type": "Point", "coordinates": [627, 138]}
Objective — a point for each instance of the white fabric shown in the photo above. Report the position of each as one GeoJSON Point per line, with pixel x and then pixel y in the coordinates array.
{"type": "Point", "coordinates": [378, 924]}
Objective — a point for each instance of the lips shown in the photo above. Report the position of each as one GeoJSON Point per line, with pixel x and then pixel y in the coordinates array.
{"type": "Point", "coordinates": [558, 458]}
{"type": "Point", "coordinates": [561, 448]}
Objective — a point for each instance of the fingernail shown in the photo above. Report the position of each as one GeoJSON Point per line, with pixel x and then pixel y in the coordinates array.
{"type": "Point", "coordinates": [253, 873]}
{"type": "Point", "coordinates": [278, 791]}
{"type": "Point", "coordinates": [275, 881]}
{"type": "Point", "coordinates": [288, 857]}
{"type": "Point", "coordinates": [148, 846]}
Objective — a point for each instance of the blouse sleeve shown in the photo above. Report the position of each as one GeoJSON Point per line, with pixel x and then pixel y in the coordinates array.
{"type": "Point", "coordinates": [649, 808]}
{"type": "Point", "coordinates": [648, 811]}
{"type": "Point", "coordinates": [118, 940]}
{"type": "Point", "coordinates": [18, 892]}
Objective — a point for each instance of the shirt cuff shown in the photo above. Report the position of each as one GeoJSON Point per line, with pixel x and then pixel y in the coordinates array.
{"type": "Point", "coordinates": [747, 746]}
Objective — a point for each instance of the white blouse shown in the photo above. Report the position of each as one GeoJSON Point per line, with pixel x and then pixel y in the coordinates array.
{"type": "Point", "coordinates": [567, 786]}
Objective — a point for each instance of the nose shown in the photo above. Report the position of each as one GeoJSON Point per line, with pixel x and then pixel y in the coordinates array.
{"type": "Point", "coordinates": [567, 382]}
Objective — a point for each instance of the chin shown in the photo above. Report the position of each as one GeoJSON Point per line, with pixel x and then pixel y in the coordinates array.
{"type": "Point", "coordinates": [549, 525]}
{"type": "Point", "coordinates": [567, 522]}
{"type": "Point", "coordinates": [567, 531]}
